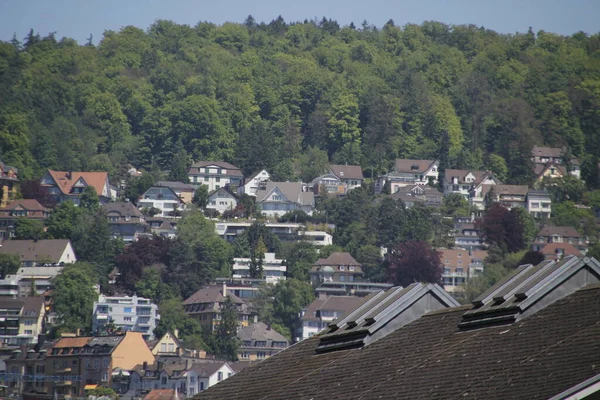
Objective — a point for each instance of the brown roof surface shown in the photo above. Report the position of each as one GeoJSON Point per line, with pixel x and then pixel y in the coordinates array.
{"type": "Point", "coordinates": [40, 250]}
{"type": "Point", "coordinates": [404, 165]}
{"type": "Point", "coordinates": [122, 208]}
{"type": "Point", "coordinates": [347, 171]}
{"type": "Point", "coordinates": [338, 258]}
{"type": "Point", "coordinates": [536, 358]}
{"type": "Point", "coordinates": [95, 179]}
{"type": "Point", "coordinates": [538, 169]}
{"type": "Point", "coordinates": [72, 342]}
{"type": "Point", "coordinates": [564, 231]}
{"type": "Point", "coordinates": [539, 151]}
{"type": "Point", "coordinates": [260, 331]}
{"type": "Point", "coordinates": [27, 204]}
{"type": "Point", "coordinates": [210, 294]}
{"type": "Point", "coordinates": [231, 169]}
{"type": "Point", "coordinates": [566, 249]}
{"type": "Point", "coordinates": [160, 394]}
{"type": "Point", "coordinates": [511, 189]}
{"type": "Point", "coordinates": [461, 174]}
{"type": "Point", "coordinates": [342, 304]}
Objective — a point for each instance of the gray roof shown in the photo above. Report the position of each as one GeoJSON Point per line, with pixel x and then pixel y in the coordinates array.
{"type": "Point", "coordinates": [260, 331]}
{"type": "Point", "coordinates": [347, 171]}
{"type": "Point", "coordinates": [565, 231]}
{"type": "Point", "coordinates": [38, 251]}
{"type": "Point", "coordinates": [291, 190]}
{"type": "Point", "coordinates": [176, 185]}
{"type": "Point", "coordinates": [338, 258]}
{"type": "Point", "coordinates": [122, 208]}
{"type": "Point", "coordinates": [231, 169]}
{"type": "Point", "coordinates": [206, 370]}
{"type": "Point", "coordinates": [413, 166]}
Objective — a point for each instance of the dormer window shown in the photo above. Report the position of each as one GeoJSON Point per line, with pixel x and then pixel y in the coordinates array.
{"type": "Point", "coordinates": [342, 268]}
{"type": "Point", "coordinates": [351, 268]}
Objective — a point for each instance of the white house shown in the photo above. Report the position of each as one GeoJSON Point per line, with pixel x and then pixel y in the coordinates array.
{"type": "Point", "coordinates": [278, 198]}
{"type": "Point", "coordinates": [322, 311]}
{"type": "Point", "coordinates": [410, 172]}
{"type": "Point", "coordinates": [463, 182]}
{"type": "Point", "coordinates": [539, 203]}
{"type": "Point", "coordinates": [252, 183]}
{"type": "Point", "coordinates": [274, 269]}
{"type": "Point", "coordinates": [221, 200]}
{"type": "Point", "coordinates": [136, 314]}
{"type": "Point", "coordinates": [163, 199]}
{"type": "Point", "coordinates": [214, 174]}
{"type": "Point", "coordinates": [47, 252]}
{"type": "Point", "coordinates": [350, 175]}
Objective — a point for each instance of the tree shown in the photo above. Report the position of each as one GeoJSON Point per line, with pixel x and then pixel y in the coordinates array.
{"type": "Point", "coordinates": [455, 205]}
{"type": "Point", "coordinates": [312, 163]}
{"type": "Point", "coordinates": [173, 317]}
{"type": "Point", "coordinates": [89, 200]}
{"type": "Point", "coordinates": [29, 229]}
{"type": "Point", "coordinates": [225, 343]}
{"type": "Point", "coordinates": [200, 199]}
{"type": "Point", "coordinates": [289, 297]}
{"type": "Point", "coordinates": [497, 164]}
{"type": "Point", "coordinates": [137, 256]}
{"type": "Point", "coordinates": [74, 297]}
{"type": "Point", "coordinates": [62, 221]}
{"type": "Point", "coordinates": [411, 262]}
{"type": "Point", "coordinates": [503, 228]}
{"type": "Point", "coordinates": [9, 264]}
{"type": "Point", "coordinates": [179, 164]}
{"type": "Point", "coordinates": [257, 259]}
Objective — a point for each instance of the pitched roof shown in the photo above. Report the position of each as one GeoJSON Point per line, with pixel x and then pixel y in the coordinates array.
{"type": "Point", "coordinates": [413, 166]}
{"type": "Point", "coordinates": [71, 342]}
{"type": "Point", "coordinates": [564, 231]}
{"type": "Point", "coordinates": [161, 394]}
{"type": "Point", "coordinates": [347, 171]}
{"type": "Point", "coordinates": [260, 331]}
{"type": "Point", "coordinates": [291, 190]}
{"type": "Point", "coordinates": [27, 204]}
{"type": "Point", "coordinates": [537, 358]}
{"type": "Point", "coordinates": [206, 370]}
{"type": "Point", "coordinates": [461, 174]}
{"type": "Point", "coordinates": [539, 151]}
{"type": "Point", "coordinates": [564, 249]}
{"type": "Point", "coordinates": [122, 208]}
{"type": "Point", "coordinates": [65, 180]}
{"type": "Point", "coordinates": [210, 294]}
{"type": "Point", "coordinates": [231, 169]}
{"type": "Point", "coordinates": [538, 169]}
{"type": "Point", "coordinates": [28, 306]}
{"type": "Point", "coordinates": [338, 258]}
{"type": "Point", "coordinates": [341, 304]}
{"type": "Point", "coordinates": [510, 189]}
{"type": "Point", "coordinates": [31, 250]}
{"type": "Point", "coordinates": [176, 185]}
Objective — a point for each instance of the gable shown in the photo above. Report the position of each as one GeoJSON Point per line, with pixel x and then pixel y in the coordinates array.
{"type": "Point", "coordinates": [80, 183]}
{"type": "Point", "coordinates": [276, 195]}
{"type": "Point", "coordinates": [47, 179]}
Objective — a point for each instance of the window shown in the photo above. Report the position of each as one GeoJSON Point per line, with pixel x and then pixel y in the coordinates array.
{"type": "Point", "coordinates": [128, 309]}
{"type": "Point", "coordinates": [171, 347]}
{"type": "Point", "coordinates": [217, 179]}
{"type": "Point", "coordinates": [245, 355]}
{"type": "Point", "coordinates": [201, 386]}
{"type": "Point", "coordinates": [127, 319]}
{"type": "Point", "coordinates": [28, 332]}
{"type": "Point", "coordinates": [351, 268]}
{"type": "Point", "coordinates": [342, 278]}
{"type": "Point", "coordinates": [220, 376]}
{"type": "Point", "coordinates": [459, 270]}
{"type": "Point", "coordinates": [260, 355]}
{"type": "Point", "coordinates": [276, 197]}
{"type": "Point", "coordinates": [28, 322]}
{"type": "Point", "coordinates": [342, 268]}
{"type": "Point", "coordinates": [163, 380]}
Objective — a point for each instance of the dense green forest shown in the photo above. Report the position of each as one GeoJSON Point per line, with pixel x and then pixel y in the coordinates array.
{"type": "Point", "coordinates": [259, 95]}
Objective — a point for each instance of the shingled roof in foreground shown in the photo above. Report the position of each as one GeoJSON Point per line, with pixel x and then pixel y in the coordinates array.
{"type": "Point", "coordinates": [551, 353]}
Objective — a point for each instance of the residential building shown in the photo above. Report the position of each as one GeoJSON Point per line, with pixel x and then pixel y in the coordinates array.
{"type": "Point", "coordinates": [260, 341]}
{"type": "Point", "coordinates": [349, 175]}
{"type": "Point", "coordinates": [322, 311]}
{"type": "Point", "coordinates": [285, 231]}
{"type": "Point", "coordinates": [21, 320]}
{"type": "Point", "coordinates": [19, 284]}
{"type": "Point", "coordinates": [68, 185]}
{"type": "Point", "coordinates": [205, 306]}
{"type": "Point", "coordinates": [549, 170]}
{"type": "Point", "coordinates": [556, 251]}
{"type": "Point", "coordinates": [539, 203]}
{"type": "Point", "coordinates": [328, 184]}
{"type": "Point", "coordinates": [125, 221]}
{"type": "Point", "coordinates": [16, 209]}
{"type": "Point", "coordinates": [278, 198]}
{"type": "Point", "coordinates": [338, 267]}
{"type": "Point", "coordinates": [463, 182]}
{"type": "Point", "coordinates": [408, 199]}
{"type": "Point", "coordinates": [162, 394]}
{"type": "Point", "coordinates": [356, 288]}
{"type": "Point", "coordinates": [25, 372]}
{"type": "Point", "coordinates": [316, 238]}
{"type": "Point", "coordinates": [215, 175]}
{"type": "Point", "coordinates": [509, 196]}
{"type": "Point", "coordinates": [467, 235]}
{"type": "Point", "coordinates": [429, 195]}
{"type": "Point", "coordinates": [9, 181]}
{"type": "Point", "coordinates": [274, 269]}
{"type": "Point", "coordinates": [222, 200]}
{"type": "Point", "coordinates": [251, 184]}
{"type": "Point", "coordinates": [168, 345]}
{"type": "Point", "coordinates": [244, 288]}
{"type": "Point", "coordinates": [164, 199]}
{"type": "Point", "coordinates": [410, 172]}
{"type": "Point", "coordinates": [166, 227]}
{"type": "Point", "coordinates": [533, 335]}
{"type": "Point", "coordinates": [183, 190]}
{"type": "Point", "coordinates": [546, 158]}
{"type": "Point", "coordinates": [46, 252]}
{"type": "Point", "coordinates": [125, 313]}
{"type": "Point", "coordinates": [460, 265]}
{"type": "Point", "coordinates": [559, 234]}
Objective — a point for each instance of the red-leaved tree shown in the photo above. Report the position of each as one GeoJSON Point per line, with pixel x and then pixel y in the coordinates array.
{"type": "Point", "coordinates": [503, 228]}
{"type": "Point", "coordinates": [413, 261]}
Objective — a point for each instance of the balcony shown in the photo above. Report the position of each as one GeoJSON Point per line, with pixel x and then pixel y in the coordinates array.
{"type": "Point", "coordinates": [63, 370]}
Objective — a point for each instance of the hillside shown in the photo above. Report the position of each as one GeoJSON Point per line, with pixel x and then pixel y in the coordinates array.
{"type": "Point", "coordinates": [260, 95]}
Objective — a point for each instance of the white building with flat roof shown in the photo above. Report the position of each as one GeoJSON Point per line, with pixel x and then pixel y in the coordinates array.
{"type": "Point", "coordinates": [136, 314]}
{"type": "Point", "coordinates": [274, 269]}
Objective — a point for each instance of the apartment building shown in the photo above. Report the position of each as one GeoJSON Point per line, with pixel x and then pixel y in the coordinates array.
{"type": "Point", "coordinates": [21, 320]}
{"type": "Point", "coordinates": [274, 269]}
{"type": "Point", "coordinates": [260, 341]}
{"type": "Point", "coordinates": [215, 175]}
{"type": "Point", "coordinates": [136, 314]}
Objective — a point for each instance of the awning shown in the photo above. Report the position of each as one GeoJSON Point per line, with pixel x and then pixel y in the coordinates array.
{"type": "Point", "coordinates": [90, 387]}
{"type": "Point", "coordinates": [102, 317]}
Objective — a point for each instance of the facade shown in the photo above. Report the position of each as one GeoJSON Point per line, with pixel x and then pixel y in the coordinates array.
{"type": "Point", "coordinates": [410, 172]}
{"type": "Point", "coordinates": [205, 306]}
{"type": "Point", "coordinates": [328, 184]}
{"type": "Point", "coordinates": [463, 182]}
{"type": "Point", "coordinates": [460, 265]}
{"type": "Point", "coordinates": [260, 341]}
{"type": "Point", "coordinates": [274, 269]}
{"type": "Point", "coordinates": [125, 221]}
{"type": "Point", "coordinates": [15, 209]}
{"type": "Point", "coordinates": [252, 183]}
{"type": "Point", "coordinates": [350, 175]}
{"type": "Point", "coordinates": [316, 238]}
{"type": "Point", "coordinates": [183, 190]}
{"type": "Point", "coordinates": [68, 185]}
{"type": "Point", "coordinates": [215, 175]}
{"type": "Point", "coordinates": [22, 320]}
{"type": "Point", "coordinates": [539, 203]}
{"type": "Point", "coordinates": [428, 195]}
{"type": "Point", "coordinates": [163, 199]}
{"type": "Point", "coordinates": [356, 288]}
{"type": "Point", "coordinates": [19, 284]}
{"type": "Point", "coordinates": [27, 361]}
{"type": "Point", "coordinates": [559, 234]}
{"type": "Point", "coordinates": [165, 227]}
{"type": "Point", "coordinates": [467, 236]}
{"type": "Point", "coordinates": [546, 158]}
{"type": "Point", "coordinates": [46, 252]}
{"type": "Point", "coordinates": [278, 198]}
{"type": "Point", "coordinates": [136, 314]}
{"type": "Point", "coordinates": [221, 200]}
{"type": "Point", "coordinates": [338, 267]}
{"type": "Point", "coordinates": [168, 345]}
{"type": "Point", "coordinates": [9, 181]}
{"type": "Point", "coordinates": [322, 311]}
{"type": "Point", "coordinates": [556, 251]}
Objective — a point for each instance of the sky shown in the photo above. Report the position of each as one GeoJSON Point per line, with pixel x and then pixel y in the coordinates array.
{"type": "Point", "coordinates": [78, 19]}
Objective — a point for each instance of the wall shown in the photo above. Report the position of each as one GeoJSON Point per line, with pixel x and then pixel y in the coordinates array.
{"type": "Point", "coordinates": [131, 351]}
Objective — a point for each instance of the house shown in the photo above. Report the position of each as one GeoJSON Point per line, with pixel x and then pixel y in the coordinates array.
{"type": "Point", "coordinates": [460, 265]}
{"type": "Point", "coordinates": [349, 175]}
{"type": "Point", "coordinates": [274, 269]}
{"type": "Point", "coordinates": [166, 227]}
{"type": "Point", "coordinates": [549, 170]}
{"type": "Point", "coordinates": [183, 190]}
{"type": "Point", "coordinates": [251, 184]}
{"type": "Point", "coordinates": [322, 311]}
{"type": "Point", "coordinates": [162, 394]}
{"type": "Point", "coordinates": [355, 288]}
{"type": "Point", "coordinates": [205, 306]}
{"type": "Point", "coordinates": [24, 208]}
{"type": "Point", "coordinates": [559, 234]}
{"type": "Point", "coordinates": [163, 199]}
{"type": "Point", "coordinates": [125, 220]}
{"type": "Point", "coordinates": [429, 194]}
{"type": "Point", "coordinates": [221, 200]}
{"type": "Point", "coordinates": [9, 181]}
{"type": "Point", "coordinates": [328, 184]}
{"type": "Point", "coordinates": [260, 341]}
{"type": "Point", "coordinates": [539, 203]}
{"type": "Point", "coordinates": [316, 238]}
{"type": "Point", "coordinates": [169, 345]}
{"type": "Point", "coordinates": [556, 251]}
{"type": "Point", "coordinates": [68, 185]}
{"type": "Point", "coordinates": [510, 196]}
{"type": "Point", "coordinates": [46, 252]}
{"type": "Point", "coordinates": [410, 172]}
{"type": "Point", "coordinates": [75, 362]}
{"type": "Point", "coordinates": [278, 198]}
{"type": "Point", "coordinates": [125, 313]}
{"type": "Point", "coordinates": [19, 284]}
{"type": "Point", "coordinates": [215, 174]}
{"type": "Point", "coordinates": [22, 320]}
{"type": "Point", "coordinates": [545, 158]}
{"type": "Point", "coordinates": [464, 182]}
{"type": "Point", "coordinates": [338, 267]}
{"type": "Point", "coordinates": [467, 235]}
{"type": "Point", "coordinates": [522, 339]}
{"type": "Point", "coordinates": [30, 361]}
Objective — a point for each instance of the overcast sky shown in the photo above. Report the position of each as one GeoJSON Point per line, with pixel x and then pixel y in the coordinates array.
{"type": "Point", "coordinates": [80, 18]}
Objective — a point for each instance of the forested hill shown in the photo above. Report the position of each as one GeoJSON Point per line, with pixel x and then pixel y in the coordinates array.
{"type": "Point", "coordinates": [260, 95]}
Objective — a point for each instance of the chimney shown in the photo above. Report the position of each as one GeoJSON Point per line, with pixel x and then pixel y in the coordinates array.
{"type": "Point", "coordinates": [189, 363]}
{"type": "Point", "coordinates": [224, 289]}
{"type": "Point", "coordinates": [176, 333]}
{"type": "Point", "coordinates": [69, 175]}
{"type": "Point", "coordinates": [145, 365]}
{"type": "Point", "coordinates": [161, 365]}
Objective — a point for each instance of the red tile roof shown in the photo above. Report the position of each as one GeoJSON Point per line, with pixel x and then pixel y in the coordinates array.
{"type": "Point", "coordinates": [161, 394]}
{"type": "Point", "coordinates": [65, 180]}
{"type": "Point", "coordinates": [565, 249]}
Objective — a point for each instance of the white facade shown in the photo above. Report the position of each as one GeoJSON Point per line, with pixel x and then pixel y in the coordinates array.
{"type": "Point", "coordinates": [214, 175]}
{"type": "Point", "coordinates": [273, 268]}
{"type": "Point", "coordinates": [221, 200]}
{"type": "Point", "coordinates": [251, 186]}
{"type": "Point", "coordinates": [280, 198]}
{"type": "Point", "coordinates": [163, 199]}
{"type": "Point", "coordinates": [455, 185]}
{"type": "Point", "coordinates": [539, 204]}
{"type": "Point", "coordinates": [135, 314]}
{"type": "Point", "coordinates": [317, 238]}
